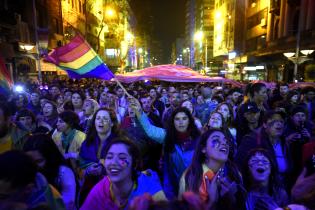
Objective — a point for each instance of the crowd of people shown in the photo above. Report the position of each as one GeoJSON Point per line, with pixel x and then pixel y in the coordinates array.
{"type": "Point", "coordinates": [93, 144]}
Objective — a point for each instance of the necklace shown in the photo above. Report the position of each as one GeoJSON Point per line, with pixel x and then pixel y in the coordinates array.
{"type": "Point", "coordinates": [121, 202]}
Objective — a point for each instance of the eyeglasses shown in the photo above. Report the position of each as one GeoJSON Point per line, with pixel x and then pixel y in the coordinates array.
{"type": "Point", "coordinates": [256, 161]}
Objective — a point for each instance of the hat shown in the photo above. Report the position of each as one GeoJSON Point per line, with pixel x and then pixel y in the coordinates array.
{"type": "Point", "coordinates": [297, 109]}
{"type": "Point", "coordinates": [250, 107]}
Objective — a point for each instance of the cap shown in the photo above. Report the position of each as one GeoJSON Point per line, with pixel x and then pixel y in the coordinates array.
{"type": "Point", "coordinates": [250, 107]}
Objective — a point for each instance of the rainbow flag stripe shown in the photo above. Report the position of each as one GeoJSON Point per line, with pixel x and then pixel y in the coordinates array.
{"type": "Point", "coordinates": [79, 60]}
{"type": "Point", "coordinates": [6, 82]}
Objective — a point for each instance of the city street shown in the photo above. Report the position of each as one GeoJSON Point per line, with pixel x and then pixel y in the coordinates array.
{"type": "Point", "coordinates": [157, 104]}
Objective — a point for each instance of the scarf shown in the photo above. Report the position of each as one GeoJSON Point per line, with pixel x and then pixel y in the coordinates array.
{"type": "Point", "coordinates": [67, 139]}
{"type": "Point", "coordinates": [203, 193]}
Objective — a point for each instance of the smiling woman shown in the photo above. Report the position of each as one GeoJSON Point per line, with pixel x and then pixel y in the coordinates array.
{"type": "Point", "coordinates": [123, 181]}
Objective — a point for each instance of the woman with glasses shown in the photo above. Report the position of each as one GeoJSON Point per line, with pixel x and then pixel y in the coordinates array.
{"type": "Point", "coordinates": [212, 175]}
{"type": "Point", "coordinates": [263, 189]}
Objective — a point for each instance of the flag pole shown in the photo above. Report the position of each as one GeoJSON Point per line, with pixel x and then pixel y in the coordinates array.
{"type": "Point", "coordinates": [123, 88]}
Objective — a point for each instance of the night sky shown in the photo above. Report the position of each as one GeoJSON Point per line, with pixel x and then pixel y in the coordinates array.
{"type": "Point", "coordinates": [168, 21]}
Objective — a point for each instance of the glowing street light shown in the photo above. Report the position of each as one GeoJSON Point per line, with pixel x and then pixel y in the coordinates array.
{"type": "Point", "coordinates": [110, 12]}
{"type": "Point", "coordinates": [199, 37]}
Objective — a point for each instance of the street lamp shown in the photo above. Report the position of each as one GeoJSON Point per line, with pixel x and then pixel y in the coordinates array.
{"type": "Point", "coordinates": [297, 59]}
{"type": "Point", "coordinates": [199, 37]}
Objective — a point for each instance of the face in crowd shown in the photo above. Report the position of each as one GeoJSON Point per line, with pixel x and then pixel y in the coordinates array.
{"type": "Point", "coordinates": [259, 168]}
{"type": "Point", "coordinates": [299, 119]}
{"type": "Point", "coordinates": [35, 98]}
{"type": "Point", "coordinates": [152, 93]}
{"type": "Point", "coordinates": [284, 90]}
{"type": "Point", "coordinates": [225, 111]}
{"type": "Point", "coordinates": [217, 147]}
{"type": "Point", "coordinates": [235, 97]}
{"type": "Point", "coordinates": [118, 163]}
{"type": "Point", "coordinates": [175, 99]}
{"type": "Point", "coordinates": [103, 122]}
{"type": "Point", "coordinates": [48, 109]}
{"type": "Point", "coordinates": [62, 126]}
{"type": "Point", "coordinates": [252, 117]}
{"type": "Point", "coordinates": [261, 95]}
{"type": "Point", "coordinates": [88, 108]}
{"type": "Point", "coordinates": [181, 122]}
{"type": "Point", "coordinates": [76, 100]}
{"type": "Point", "coordinates": [215, 120]}
{"type": "Point", "coordinates": [146, 104]}
{"type": "Point", "coordinates": [275, 126]}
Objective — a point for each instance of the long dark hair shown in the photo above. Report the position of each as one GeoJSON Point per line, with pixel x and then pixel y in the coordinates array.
{"type": "Point", "coordinates": [48, 149]}
{"type": "Point", "coordinates": [170, 138]}
{"type": "Point", "coordinates": [274, 183]}
{"type": "Point", "coordinates": [133, 151]}
{"type": "Point", "coordinates": [194, 173]}
{"type": "Point", "coordinates": [230, 120]}
{"type": "Point", "coordinates": [71, 118]}
{"type": "Point", "coordinates": [92, 133]}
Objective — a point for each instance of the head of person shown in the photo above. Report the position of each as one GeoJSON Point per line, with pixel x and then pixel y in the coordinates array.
{"type": "Point", "coordinates": [181, 122]}
{"type": "Point", "coordinates": [216, 120]}
{"type": "Point", "coordinates": [90, 106]}
{"type": "Point", "coordinates": [164, 92]}
{"type": "Point", "coordinates": [200, 99]}
{"type": "Point", "coordinates": [67, 121]}
{"type": "Point", "coordinates": [293, 97]}
{"type": "Point", "coordinates": [60, 99]}
{"type": "Point", "coordinates": [45, 153]}
{"type": "Point", "coordinates": [122, 160]}
{"type": "Point", "coordinates": [251, 112]}
{"type": "Point", "coordinates": [17, 177]}
{"type": "Point", "coordinates": [68, 95]}
{"type": "Point", "coordinates": [212, 147]}
{"type": "Point", "coordinates": [49, 109]}
{"type": "Point", "coordinates": [298, 116]}
{"type": "Point", "coordinates": [175, 99]}
{"type": "Point", "coordinates": [206, 92]}
{"type": "Point", "coordinates": [309, 93]}
{"type": "Point", "coordinates": [89, 93]}
{"type": "Point", "coordinates": [152, 92]}
{"type": "Point", "coordinates": [111, 98]}
{"type": "Point", "coordinates": [119, 92]}
{"type": "Point", "coordinates": [236, 94]}
{"type": "Point", "coordinates": [196, 93]}
{"type": "Point", "coordinates": [283, 89]}
{"type": "Point", "coordinates": [189, 105]}
{"type": "Point", "coordinates": [260, 169]}
{"type": "Point", "coordinates": [217, 99]}
{"type": "Point", "coordinates": [77, 99]}
{"type": "Point", "coordinates": [226, 110]}
{"type": "Point", "coordinates": [20, 100]}
{"type": "Point", "coordinates": [5, 121]}
{"type": "Point", "coordinates": [35, 98]}
{"type": "Point", "coordinates": [26, 118]}
{"type": "Point", "coordinates": [103, 98]}
{"type": "Point", "coordinates": [273, 123]}
{"type": "Point", "coordinates": [184, 96]}
{"type": "Point", "coordinates": [104, 122]}
{"type": "Point", "coordinates": [146, 103]}
{"type": "Point", "coordinates": [54, 90]}
{"type": "Point", "coordinates": [258, 92]}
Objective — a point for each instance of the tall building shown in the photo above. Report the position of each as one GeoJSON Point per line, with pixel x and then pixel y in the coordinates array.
{"type": "Point", "coordinates": [275, 27]}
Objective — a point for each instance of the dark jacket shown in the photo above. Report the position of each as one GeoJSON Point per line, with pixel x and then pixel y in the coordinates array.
{"type": "Point", "coordinates": [260, 139]}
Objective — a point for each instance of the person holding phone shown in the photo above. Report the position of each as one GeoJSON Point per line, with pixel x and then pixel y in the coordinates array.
{"type": "Point", "coordinates": [212, 175]}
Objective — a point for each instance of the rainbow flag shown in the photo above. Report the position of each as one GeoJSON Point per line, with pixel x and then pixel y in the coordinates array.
{"type": "Point", "coordinates": [79, 60]}
{"type": "Point", "coordinates": [6, 82]}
